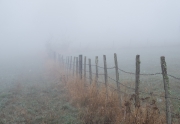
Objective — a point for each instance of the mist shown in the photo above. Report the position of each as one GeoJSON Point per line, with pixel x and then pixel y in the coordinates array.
{"type": "Point", "coordinates": [93, 24]}
{"type": "Point", "coordinates": [29, 28]}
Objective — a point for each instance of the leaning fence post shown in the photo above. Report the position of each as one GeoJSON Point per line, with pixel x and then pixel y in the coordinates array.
{"type": "Point", "coordinates": [80, 66]}
{"type": "Point", "coordinates": [85, 68]}
{"type": "Point", "coordinates": [67, 67]}
{"type": "Point", "coordinates": [70, 70]}
{"type": "Point", "coordinates": [117, 77]}
{"type": "Point", "coordinates": [137, 101]}
{"type": "Point", "coordinates": [105, 74]}
{"type": "Point", "coordinates": [90, 71]}
{"type": "Point", "coordinates": [76, 66]}
{"type": "Point", "coordinates": [167, 90]}
{"type": "Point", "coordinates": [62, 62]}
{"type": "Point", "coordinates": [57, 58]}
{"type": "Point", "coordinates": [96, 62]}
{"type": "Point", "coordinates": [66, 63]}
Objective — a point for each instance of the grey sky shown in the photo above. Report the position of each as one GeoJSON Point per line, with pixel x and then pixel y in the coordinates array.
{"type": "Point", "coordinates": [92, 23]}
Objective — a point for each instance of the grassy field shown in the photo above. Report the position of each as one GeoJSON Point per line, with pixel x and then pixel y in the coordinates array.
{"type": "Point", "coordinates": [150, 63]}
{"type": "Point", "coordinates": [32, 93]}
{"type": "Point", "coordinates": [36, 89]}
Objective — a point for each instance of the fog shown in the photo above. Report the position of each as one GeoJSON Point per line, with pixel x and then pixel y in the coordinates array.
{"type": "Point", "coordinates": [85, 26]}
{"type": "Point", "coordinates": [89, 24]}
{"type": "Point", "coordinates": [94, 27]}
{"type": "Point", "coordinates": [30, 80]}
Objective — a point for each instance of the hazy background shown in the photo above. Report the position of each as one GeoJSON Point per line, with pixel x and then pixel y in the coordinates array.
{"type": "Point", "coordinates": [150, 28]}
{"type": "Point", "coordinates": [92, 27]}
{"type": "Point", "coordinates": [27, 24]}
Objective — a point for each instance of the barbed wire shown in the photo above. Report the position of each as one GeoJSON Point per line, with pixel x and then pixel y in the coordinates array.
{"type": "Point", "coordinates": [151, 93]}
{"type": "Point", "coordinates": [135, 73]}
{"type": "Point", "coordinates": [173, 77]}
{"type": "Point", "coordinates": [132, 73]}
{"type": "Point", "coordinates": [122, 84]}
{"type": "Point", "coordinates": [95, 73]}
{"type": "Point", "coordinates": [108, 86]}
{"type": "Point", "coordinates": [175, 115]}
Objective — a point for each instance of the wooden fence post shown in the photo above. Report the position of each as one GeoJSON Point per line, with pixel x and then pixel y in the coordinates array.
{"type": "Point", "coordinates": [96, 62]}
{"type": "Point", "coordinates": [66, 63]}
{"type": "Point", "coordinates": [76, 66]}
{"type": "Point", "coordinates": [167, 90]}
{"type": "Point", "coordinates": [62, 61]}
{"type": "Point", "coordinates": [105, 74]}
{"type": "Point", "coordinates": [58, 56]}
{"type": "Point", "coordinates": [80, 66]}
{"type": "Point", "coordinates": [85, 69]}
{"type": "Point", "coordinates": [117, 77]}
{"type": "Point", "coordinates": [70, 67]}
{"type": "Point", "coordinates": [137, 76]}
{"type": "Point", "coordinates": [90, 72]}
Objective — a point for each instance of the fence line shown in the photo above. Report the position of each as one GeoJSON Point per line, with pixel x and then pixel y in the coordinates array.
{"type": "Point", "coordinates": [132, 73]}
{"type": "Point", "coordinates": [137, 78]}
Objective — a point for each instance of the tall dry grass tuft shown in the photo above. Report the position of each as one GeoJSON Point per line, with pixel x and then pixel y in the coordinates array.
{"type": "Point", "coordinates": [98, 108]}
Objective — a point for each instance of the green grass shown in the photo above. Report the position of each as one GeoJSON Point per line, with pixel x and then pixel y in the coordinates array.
{"type": "Point", "coordinates": [39, 98]}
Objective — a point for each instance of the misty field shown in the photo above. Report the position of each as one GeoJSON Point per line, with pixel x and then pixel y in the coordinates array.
{"type": "Point", "coordinates": [37, 89]}
{"type": "Point", "coordinates": [150, 85]}
{"type": "Point", "coordinates": [31, 93]}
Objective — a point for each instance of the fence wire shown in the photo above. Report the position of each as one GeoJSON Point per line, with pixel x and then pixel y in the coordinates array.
{"type": "Point", "coordinates": [132, 73]}
{"type": "Point", "coordinates": [175, 115]}
{"type": "Point", "coordinates": [151, 93]}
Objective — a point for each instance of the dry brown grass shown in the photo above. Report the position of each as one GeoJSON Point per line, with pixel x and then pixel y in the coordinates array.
{"type": "Point", "coordinates": [97, 108]}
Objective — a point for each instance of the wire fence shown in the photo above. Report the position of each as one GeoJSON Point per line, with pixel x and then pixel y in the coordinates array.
{"type": "Point", "coordinates": [132, 73]}
{"type": "Point", "coordinates": [76, 67]}
{"type": "Point", "coordinates": [152, 74]}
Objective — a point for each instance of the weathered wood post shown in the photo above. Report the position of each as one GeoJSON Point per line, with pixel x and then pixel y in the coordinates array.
{"type": "Point", "coordinates": [70, 66]}
{"type": "Point", "coordinates": [67, 67]}
{"type": "Point", "coordinates": [96, 62]}
{"type": "Point", "coordinates": [167, 90]}
{"type": "Point", "coordinates": [57, 58]}
{"type": "Point", "coordinates": [66, 63]}
{"type": "Point", "coordinates": [137, 77]}
{"type": "Point", "coordinates": [117, 77]}
{"type": "Point", "coordinates": [80, 66]}
{"type": "Point", "coordinates": [90, 72]}
{"type": "Point", "coordinates": [105, 74]}
{"type": "Point", "coordinates": [62, 61]}
{"type": "Point", "coordinates": [76, 66]}
{"type": "Point", "coordinates": [85, 69]}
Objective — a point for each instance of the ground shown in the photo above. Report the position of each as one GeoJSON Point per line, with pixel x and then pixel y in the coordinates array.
{"type": "Point", "coordinates": [36, 97]}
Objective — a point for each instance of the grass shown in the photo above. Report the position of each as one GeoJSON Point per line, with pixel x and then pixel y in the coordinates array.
{"type": "Point", "coordinates": [37, 99]}
{"type": "Point", "coordinates": [50, 97]}
{"type": "Point", "coordinates": [99, 108]}
{"type": "Point", "coordinates": [98, 105]}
